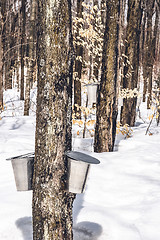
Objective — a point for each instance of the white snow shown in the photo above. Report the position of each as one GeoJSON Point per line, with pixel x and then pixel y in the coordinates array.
{"type": "Point", "coordinates": [122, 197]}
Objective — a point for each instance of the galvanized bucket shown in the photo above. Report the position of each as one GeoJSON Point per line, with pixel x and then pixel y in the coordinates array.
{"type": "Point", "coordinates": [139, 100]}
{"type": "Point", "coordinates": [23, 171]}
{"type": "Point", "coordinates": [78, 169]}
{"type": "Point", "coordinates": [120, 102]}
{"type": "Point", "coordinates": [92, 93]}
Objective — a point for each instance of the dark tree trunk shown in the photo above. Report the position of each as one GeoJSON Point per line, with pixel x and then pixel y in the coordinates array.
{"type": "Point", "coordinates": [107, 93]}
{"type": "Point", "coordinates": [143, 57]}
{"type": "Point", "coordinates": [149, 59]}
{"type": "Point", "coordinates": [78, 68]}
{"type": "Point", "coordinates": [23, 19]}
{"type": "Point", "coordinates": [32, 45]}
{"type": "Point", "coordinates": [122, 36]}
{"type": "Point", "coordinates": [11, 50]}
{"type": "Point", "coordinates": [52, 206]}
{"type": "Point", "coordinates": [1, 71]}
{"type": "Point", "coordinates": [2, 10]}
{"type": "Point", "coordinates": [6, 41]}
{"type": "Point", "coordinates": [18, 47]}
{"type": "Point", "coordinates": [131, 61]}
{"type": "Point", "coordinates": [96, 60]}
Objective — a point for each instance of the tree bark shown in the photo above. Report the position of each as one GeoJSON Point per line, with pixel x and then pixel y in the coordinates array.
{"type": "Point", "coordinates": [78, 68]}
{"type": "Point", "coordinates": [32, 45]}
{"type": "Point", "coordinates": [52, 206]}
{"type": "Point", "coordinates": [143, 57]}
{"type": "Point", "coordinates": [18, 47]}
{"type": "Point", "coordinates": [149, 59]}
{"type": "Point", "coordinates": [1, 71]}
{"type": "Point", "coordinates": [11, 52]}
{"type": "Point", "coordinates": [23, 17]}
{"type": "Point", "coordinates": [131, 60]}
{"type": "Point", "coordinates": [107, 93]}
{"type": "Point", "coordinates": [5, 37]}
{"type": "Point", "coordinates": [1, 55]}
{"type": "Point", "coordinates": [96, 59]}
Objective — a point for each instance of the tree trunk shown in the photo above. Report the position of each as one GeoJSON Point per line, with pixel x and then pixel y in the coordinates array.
{"type": "Point", "coordinates": [1, 71]}
{"type": "Point", "coordinates": [2, 20]}
{"type": "Point", "coordinates": [1, 58]}
{"type": "Point", "coordinates": [11, 52]}
{"type": "Point", "coordinates": [96, 59]}
{"type": "Point", "coordinates": [52, 206]}
{"type": "Point", "coordinates": [107, 93]}
{"type": "Point", "coordinates": [131, 61]}
{"type": "Point", "coordinates": [122, 36]}
{"type": "Point", "coordinates": [78, 68]}
{"type": "Point", "coordinates": [18, 47]}
{"type": "Point", "coordinates": [23, 19]}
{"type": "Point", "coordinates": [6, 40]}
{"type": "Point", "coordinates": [149, 59]}
{"type": "Point", "coordinates": [32, 45]}
{"type": "Point", "coordinates": [143, 57]}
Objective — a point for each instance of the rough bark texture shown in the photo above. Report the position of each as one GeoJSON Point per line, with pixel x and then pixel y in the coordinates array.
{"type": "Point", "coordinates": [1, 55]}
{"type": "Point", "coordinates": [1, 72]}
{"type": "Point", "coordinates": [78, 68]}
{"type": "Point", "coordinates": [106, 101]}
{"type": "Point", "coordinates": [22, 48]}
{"type": "Point", "coordinates": [96, 59]}
{"type": "Point", "coordinates": [149, 58]}
{"type": "Point", "coordinates": [32, 45]}
{"type": "Point", "coordinates": [122, 36]}
{"type": "Point", "coordinates": [6, 40]}
{"type": "Point", "coordinates": [130, 79]}
{"type": "Point", "coordinates": [11, 52]}
{"type": "Point", "coordinates": [52, 206]}
{"type": "Point", "coordinates": [143, 56]}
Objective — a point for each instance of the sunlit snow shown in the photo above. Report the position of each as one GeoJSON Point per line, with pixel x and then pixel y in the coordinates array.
{"type": "Point", "coordinates": [122, 197]}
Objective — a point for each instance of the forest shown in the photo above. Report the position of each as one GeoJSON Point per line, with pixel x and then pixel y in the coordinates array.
{"type": "Point", "coordinates": [83, 69]}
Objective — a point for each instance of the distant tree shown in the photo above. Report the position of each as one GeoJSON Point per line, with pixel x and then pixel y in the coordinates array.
{"type": "Point", "coordinates": [143, 39]}
{"type": "Point", "coordinates": [6, 46]}
{"type": "Point", "coordinates": [52, 206]}
{"type": "Point", "coordinates": [149, 58]}
{"type": "Point", "coordinates": [131, 60]}
{"type": "Point", "coordinates": [96, 59]}
{"type": "Point", "coordinates": [78, 65]}
{"type": "Point", "coordinates": [2, 10]}
{"type": "Point", "coordinates": [17, 65]}
{"type": "Point", "coordinates": [31, 65]}
{"type": "Point", "coordinates": [107, 92]}
{"type": "Point", "coordinates": [11, 43]}
{"type": "Point", "coordinates": [22, 50]}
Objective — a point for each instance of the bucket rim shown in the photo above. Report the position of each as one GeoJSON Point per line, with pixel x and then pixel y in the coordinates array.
{"type": "Point", "coordinates": [29, 155]}
{"type": "Point", "coordinates": [92, 84]}
{"type": "Point", "coordinates": [82, 157]}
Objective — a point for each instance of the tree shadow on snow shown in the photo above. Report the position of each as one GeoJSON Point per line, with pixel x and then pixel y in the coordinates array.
{"type": "Point", "coordinates": [25, 225]}
{"type": "Point", "coordinates": [84, 230]}
{"type": "Point", "coordinates": [17, 124]}
{"type": "Point", "coordinates": [81, 231]}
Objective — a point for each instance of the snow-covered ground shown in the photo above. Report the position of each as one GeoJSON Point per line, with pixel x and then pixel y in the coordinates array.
{"type": "Point", "coordinates": [122, 197]}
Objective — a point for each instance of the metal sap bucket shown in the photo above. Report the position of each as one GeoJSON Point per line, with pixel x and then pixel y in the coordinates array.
{"type": "Point", "coordinates": [23, 171]}
{"type": "Point", "coordinates": [120, 102]}
{"type": "Point", "coordinates": [78, 169]}
{"type": "Point", "coordinates": [139, 101]}
{"type": "Point", "coordinates": [92, 93]}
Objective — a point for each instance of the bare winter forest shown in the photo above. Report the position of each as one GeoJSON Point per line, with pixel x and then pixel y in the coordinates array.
{"type": "Point", "coordinates": [91, 64]}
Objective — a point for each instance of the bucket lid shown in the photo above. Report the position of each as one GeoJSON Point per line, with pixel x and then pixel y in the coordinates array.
{"type": "Point", "coordinates": [29, 155]}
{"type": "Point", "coordinates": [92, 84]}
{"type": "Point", "coordinates": [78, 156]}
